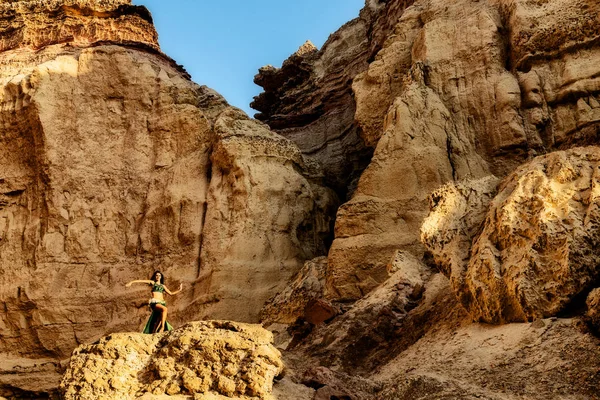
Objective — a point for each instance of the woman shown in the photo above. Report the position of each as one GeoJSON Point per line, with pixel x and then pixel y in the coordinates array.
{"type": "Point", "coordinates": [158, 319]}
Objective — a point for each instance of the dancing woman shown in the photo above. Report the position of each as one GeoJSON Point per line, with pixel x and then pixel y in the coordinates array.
{"type": "Point", "coordinates": [158, 319]}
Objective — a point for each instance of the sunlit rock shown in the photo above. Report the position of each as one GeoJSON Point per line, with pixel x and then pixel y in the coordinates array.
{"type": "Point", "coordinates": [201, 358]}
{"type": "Point", "coordinates": [535, 251]}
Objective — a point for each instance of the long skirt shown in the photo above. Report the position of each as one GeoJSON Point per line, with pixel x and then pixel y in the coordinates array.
{"type": "Point", "coordinates": [154, 320]}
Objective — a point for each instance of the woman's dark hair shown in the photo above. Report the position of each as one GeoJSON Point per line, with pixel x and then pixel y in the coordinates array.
{"type": "Point", "coordinates": [162, 277]}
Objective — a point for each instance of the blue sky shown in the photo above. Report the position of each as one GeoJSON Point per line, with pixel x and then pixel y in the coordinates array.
{"type": "Point", "coordinates": [223, 43]}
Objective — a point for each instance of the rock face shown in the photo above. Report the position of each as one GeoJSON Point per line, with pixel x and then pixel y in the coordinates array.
{"type": "Point", "coordinates": [303, 293]}
{"type": "Point", "coordinates": [262, 218]}
{"type": "Point", "coordinates": [536, 250]}
{"type": "Point", "coordinates": [453, 98]}
{"type": "Point", "coordinates": [451, 92]}
{"type": "Point", "coordinates": [309, 100]}
{"type": "Point", "coordinates": [201, 358]}
{"type": "Point", "coordinates": [35, 24]}
{"type": "Point", "coordinates": [114, 164]}
{"type": "Point", "coordinates": [378, 323]}
{"type": "Point", "coordinates": [386, 211]}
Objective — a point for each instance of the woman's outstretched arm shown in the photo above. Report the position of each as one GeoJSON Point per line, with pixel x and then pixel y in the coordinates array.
{"type": "Point", "coordinates": [172, 293]}
{"type": "Point", "coordinates": [139, 281]}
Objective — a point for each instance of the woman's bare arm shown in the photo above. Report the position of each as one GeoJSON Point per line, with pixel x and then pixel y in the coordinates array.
{"type": "Point", "coordinates": [172, 293]}
{"type": "Point", "coordinates": [139, 281]}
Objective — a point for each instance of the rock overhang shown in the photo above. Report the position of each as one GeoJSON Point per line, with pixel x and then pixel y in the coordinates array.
{"type": "Point", "coordinates": [79, 23]}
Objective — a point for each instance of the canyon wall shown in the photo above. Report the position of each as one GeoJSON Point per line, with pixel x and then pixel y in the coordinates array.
{"type": "Point", "coordinates": [454, 145]}
{"type": "Point", "coordinates": [451, 92]}
{"type": "Point", "coordinates": [477, 204]}
{"type": "Point", "coordinates": [114, 164]}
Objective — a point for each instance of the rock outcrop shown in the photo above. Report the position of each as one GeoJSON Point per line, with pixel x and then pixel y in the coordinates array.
{"type": "Point", "coordinates": [262, 218]}
{"type": "Point", "coordinates": [451, 92]}
{"type": "Point", "coordinates": [300, 297]}
{"type": "Point", "coordinates": [387, 209]}
{"type": "Point", "coordinates": [229, 359]}
{"type": "Point", "coordinates": [309, 100]}
{"type": "Point", "coordinates": [455, 98]}
{"type": "Point", "coordinates": [35, 24]}
{"type": "Point", "coordinates": [114, 164]}
{"type": "Point", "coordinates": [534, 251]}
{"type": "Point", "coordinates": [378, 325]}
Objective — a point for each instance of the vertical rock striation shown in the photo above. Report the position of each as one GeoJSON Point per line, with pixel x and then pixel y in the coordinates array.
{"type": "Point", "coordinates": [309, 99]}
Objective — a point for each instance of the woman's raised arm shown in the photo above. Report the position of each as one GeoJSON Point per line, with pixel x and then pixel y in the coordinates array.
{"type": "Point", "coordinates": [172, 293]}
{"type": "Point", "coordinates": [139, 281]}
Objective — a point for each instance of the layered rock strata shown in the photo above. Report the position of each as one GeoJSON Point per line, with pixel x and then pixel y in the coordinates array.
{"type": "Point", "coordinates": [309, 99]}
{"type": "Point", "coordinates": [113, 164]}
{"type": "Point", "coordinates": [202, 358]}
{"type": "Point", "coordinates": [35, 24]}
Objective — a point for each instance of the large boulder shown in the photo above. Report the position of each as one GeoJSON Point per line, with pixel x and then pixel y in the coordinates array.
{"type": "Point", "coordinates": [223, 358]}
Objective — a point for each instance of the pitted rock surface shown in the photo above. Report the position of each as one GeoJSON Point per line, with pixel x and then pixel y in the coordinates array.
{"type": "Point", "coordinates": [536, 250]}
{"type": "Point", "coordinates": [35, 24]}
{"type": "Point", "coordinates": [201, 358]}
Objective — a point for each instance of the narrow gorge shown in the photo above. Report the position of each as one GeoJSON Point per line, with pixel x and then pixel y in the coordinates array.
{"type": "Point", "coordinates": [411, 214]}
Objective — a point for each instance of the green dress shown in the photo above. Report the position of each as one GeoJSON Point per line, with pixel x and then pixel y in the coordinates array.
{"type": "Point", "coordinates": [155, 318]}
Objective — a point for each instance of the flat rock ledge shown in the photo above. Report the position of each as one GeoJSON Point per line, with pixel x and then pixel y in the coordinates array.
{"type": "Point", "coordinates": [208, 359]}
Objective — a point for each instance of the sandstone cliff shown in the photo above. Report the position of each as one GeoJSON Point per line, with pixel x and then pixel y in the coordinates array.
{"type": "Point", "coordinates": [441, 92]}
{"type": "Point", "coordinates": [114, 164]}
{"type": "Point", "coordinates": [453, 98]}
{"type": "Point", "coordinates": [461, 138]}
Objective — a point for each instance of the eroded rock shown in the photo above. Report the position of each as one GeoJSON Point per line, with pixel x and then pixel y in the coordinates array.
{"type": "Point", "coordinates": [305, 288]}
{"type": "Point", "coordinates": [263, 218]}
{"type": "Point", "coordinates": [593, 309]}
{"type": "Point", "coordinates": [488, 85]}
{"type": "Point", "coordinates": [230, 359]}
{"type": "Point", "coordinates": [114, 164]}
{"type": "Point", "coordinates": [536, 250]}
{"type": "Point", "coordinates": [383, 323]}
{"type": "Point", "coordinates": [36, 24]}
{"type": "Point", "coordinates": [309, 101]}
{"type": "Point", "coordinates": [457, 214]}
